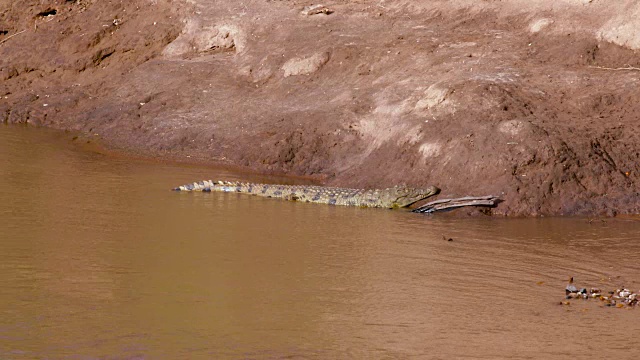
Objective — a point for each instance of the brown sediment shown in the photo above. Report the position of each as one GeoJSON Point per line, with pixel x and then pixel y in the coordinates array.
{"type": "Point", "coordinates": [532, 101]}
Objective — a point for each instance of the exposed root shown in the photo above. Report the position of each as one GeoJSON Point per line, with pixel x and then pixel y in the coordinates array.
{"type": "Point", "coordinates": [629, 68]}
{"type": "Point", "coordinates": [9, 37]}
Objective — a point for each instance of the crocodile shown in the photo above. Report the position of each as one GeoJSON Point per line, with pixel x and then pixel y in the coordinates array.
{"type": "Point", "coordinates": [395, 197]}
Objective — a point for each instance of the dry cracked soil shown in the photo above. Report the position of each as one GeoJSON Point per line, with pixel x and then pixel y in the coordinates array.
{"type": "Point", "coordinates": [535, 101]}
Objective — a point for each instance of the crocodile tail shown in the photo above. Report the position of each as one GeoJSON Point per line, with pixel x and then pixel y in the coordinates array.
{"type": "Point", "coordinates": [204, 185]}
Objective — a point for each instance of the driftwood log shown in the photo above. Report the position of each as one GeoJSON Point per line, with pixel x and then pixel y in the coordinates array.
{"type": "Point", "coordinates": [448, 204]}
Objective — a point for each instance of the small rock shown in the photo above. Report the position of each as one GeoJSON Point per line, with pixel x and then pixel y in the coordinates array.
{"type": "Point", "coordinates": [537, 25]}
{"type": "Point", "coordinates": [305, 66]}
{"type": "Point", "coordinates": [570, 287]}
{"type": "Point", "coordinates": [316, 9]}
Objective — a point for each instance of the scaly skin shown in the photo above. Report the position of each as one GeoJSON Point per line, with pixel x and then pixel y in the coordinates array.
{"type": "Point", "coordinates": [395, 197]}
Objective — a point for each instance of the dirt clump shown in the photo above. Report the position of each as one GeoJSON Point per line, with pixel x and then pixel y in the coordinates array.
{"type": "Point", "coordinates": [534, 101]}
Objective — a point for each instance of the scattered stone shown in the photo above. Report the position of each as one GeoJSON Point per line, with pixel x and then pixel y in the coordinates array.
{"type": "Point", "coordinates": [618, 298]}
{"type": "Point", "coordinates": [432, 97]}
{"type": "Point", "coordinates": [200, 39]}
{"type": "Point", "coordinates": [305, 66]}
{"type": "Point", "coordinates": [537, 25]}
{"type": "Point", "coordinates": [316, 9]}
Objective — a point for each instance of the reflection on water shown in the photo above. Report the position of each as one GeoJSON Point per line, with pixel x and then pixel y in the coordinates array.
{"type": "Point", "coordinates": [101, 260]}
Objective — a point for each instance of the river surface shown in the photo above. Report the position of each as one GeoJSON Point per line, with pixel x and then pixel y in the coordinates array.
{"type": "Point", "coordinates": [101, 260]}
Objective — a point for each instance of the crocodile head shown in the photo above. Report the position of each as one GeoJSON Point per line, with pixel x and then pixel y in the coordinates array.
{"type": "Point", "coordinates": [402, 196]}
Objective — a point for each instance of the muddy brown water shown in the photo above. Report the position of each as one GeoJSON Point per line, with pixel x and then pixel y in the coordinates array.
{"type": "Point", "coordinates": [101, 260]}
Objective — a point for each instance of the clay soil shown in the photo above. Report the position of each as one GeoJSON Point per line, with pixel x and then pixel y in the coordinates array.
{"type": "Point", "coordinates": [535, 101]}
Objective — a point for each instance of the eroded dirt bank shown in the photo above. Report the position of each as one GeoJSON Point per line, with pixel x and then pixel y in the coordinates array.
{"type": "Point", "coordinates": [537, 101]}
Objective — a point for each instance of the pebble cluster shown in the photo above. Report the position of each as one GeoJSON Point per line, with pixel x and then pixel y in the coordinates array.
{"type": "Point", "coordinates": [617, 298]}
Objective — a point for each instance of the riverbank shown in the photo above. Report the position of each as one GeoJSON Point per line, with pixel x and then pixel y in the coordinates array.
{"type": "Point", "coordinates": [535, 102]}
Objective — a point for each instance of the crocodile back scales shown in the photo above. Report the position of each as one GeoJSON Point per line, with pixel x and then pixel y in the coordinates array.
{"type": "Point", "coordinates": [398, 196]}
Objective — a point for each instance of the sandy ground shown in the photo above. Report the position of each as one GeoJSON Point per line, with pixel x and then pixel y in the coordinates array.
{"type": "Point", "coordinates": [535, 101]}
